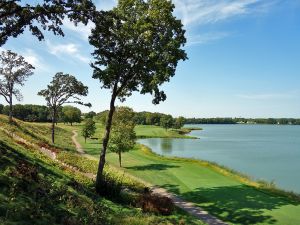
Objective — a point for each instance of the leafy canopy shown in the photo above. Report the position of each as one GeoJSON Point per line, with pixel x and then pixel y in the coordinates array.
{"type": "Point", "coordinates": [89, 128]}
{"type": "Point", "coordinates": [64, 88]}
{"type": "Point", "coordinates": [48, 15]}
{"type": "Point", "coordinates": [137, 47]}
{"type": "Point", "coordinates": [123, 136]}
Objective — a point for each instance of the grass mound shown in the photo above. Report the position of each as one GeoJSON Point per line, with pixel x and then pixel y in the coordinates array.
{"type": "Point", "coordinates": [36, 190]}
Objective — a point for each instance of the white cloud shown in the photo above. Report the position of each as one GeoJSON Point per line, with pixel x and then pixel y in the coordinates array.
{"type": "Point", "coordinates": [34, 59]}
{"type": "Point", "coordinates": [70, 49]}
{"type": "Point", "coordinates": [206, 38]}
{"type": "Point", "coordinates": [197, 12]}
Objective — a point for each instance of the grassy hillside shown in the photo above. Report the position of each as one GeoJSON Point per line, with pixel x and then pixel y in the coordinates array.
{"type": "Point", "coordinates": [37, 190]}
{"type": "Point", "coordinates": [226, 195]}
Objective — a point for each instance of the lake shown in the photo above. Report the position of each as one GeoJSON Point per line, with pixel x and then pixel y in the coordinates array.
{"type": "Point", "coordinates": [268, 152]}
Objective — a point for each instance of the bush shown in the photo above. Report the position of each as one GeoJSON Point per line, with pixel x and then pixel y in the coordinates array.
{"type": "Point", "coordinates": [155, 203]}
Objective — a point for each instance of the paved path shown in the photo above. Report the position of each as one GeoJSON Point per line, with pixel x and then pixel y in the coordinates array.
{"type": "Point", "coordinates": [179, 202]}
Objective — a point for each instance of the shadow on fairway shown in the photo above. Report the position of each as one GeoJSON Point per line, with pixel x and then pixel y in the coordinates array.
{"type": "Point", "coordinates": [238, 204]}
{"type": "Point", "coordinates": [153, 166]}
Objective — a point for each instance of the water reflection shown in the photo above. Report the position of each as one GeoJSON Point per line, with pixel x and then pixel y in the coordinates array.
{"type": "Point", "coordinates": [166, 145]}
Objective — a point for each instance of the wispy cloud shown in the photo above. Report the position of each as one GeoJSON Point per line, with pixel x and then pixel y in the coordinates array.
{"type": "Point", "coordinates": [197, 12]}
{"type": "Point", "coordinates": [71, 50]}
{"type": "Point", "coordinates": [205, 38]}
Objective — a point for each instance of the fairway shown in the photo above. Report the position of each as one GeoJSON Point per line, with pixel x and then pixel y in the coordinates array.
{"type": "Point", "coordinates": [222, 196]}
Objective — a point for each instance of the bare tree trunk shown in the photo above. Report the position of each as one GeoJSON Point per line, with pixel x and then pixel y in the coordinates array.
{"type": "Point", "coordinates": [105, 142]}
{"type": "Point", "coordinates": [53, 125]}
{"type": "Point", "coordinates": [120, 159]}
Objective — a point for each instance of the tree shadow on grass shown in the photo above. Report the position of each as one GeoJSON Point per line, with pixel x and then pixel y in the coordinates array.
{"type": "Point", "coordinates": [238, 204]}
{"type": "Point", "coordinates": [153, 166]}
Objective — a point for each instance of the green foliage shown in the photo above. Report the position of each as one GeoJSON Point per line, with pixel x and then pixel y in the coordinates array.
{"type": "Point", "coordinates": [1, 108]}
{"type": "Point", "coordinates": [16, 16]}
{"type": "Point", "coordinates": [167, 121]}
{"type": "Point", "coordinates": [30, 113]}
{"type": "Point", "coordinates": [123, 136]}
{"type": "Point", "coordinates": [102, 117]}
{"type": "Point", "coordinates": [90, 115]}
{"type": "Point", "coordinates": [281, 121]}
{"type": "Point", "coordinates": [128, 33]}
{"type": "Point", "coordinates": [71, 114]}
{"type": "Point", "coordinates": [82, 164]}
{"type": "Point", "coordinates": [63, 88]}
{"type": "Point", "coordinates": [179, 122]}
{"type": "Point", "coordinates": [89, 129]}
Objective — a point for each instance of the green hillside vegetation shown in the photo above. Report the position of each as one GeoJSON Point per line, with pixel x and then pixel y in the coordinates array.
{"type": "Point", "coordinates": [222, 192]}
{"type": "Point", "coordinates": [36, 190]}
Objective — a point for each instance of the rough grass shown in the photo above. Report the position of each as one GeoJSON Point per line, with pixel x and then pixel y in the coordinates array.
{"type": "Point", "coordinates": [36, 190]}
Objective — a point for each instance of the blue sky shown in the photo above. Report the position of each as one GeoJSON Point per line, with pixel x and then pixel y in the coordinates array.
{"type": "Point", "coordinates": [244, 61]}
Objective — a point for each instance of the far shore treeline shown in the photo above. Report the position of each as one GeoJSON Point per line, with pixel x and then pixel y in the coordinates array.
{"type": "Point", "coordinates": [70, 114]}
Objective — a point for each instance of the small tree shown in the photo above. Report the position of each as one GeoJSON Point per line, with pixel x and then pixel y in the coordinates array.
{"type": "Point", "coordinates": [123, 135]}
{"type": "Point", "coordinates": [15, 16]}
{"type": "Point", "coordinates": [137, 48]}
{"type": "Point", "coordinates": [71, 114]}
{"type": "Point", "coordinates": [166, 121]}
{"type": "Point", "coordinates": [89, 129]}
{"type": "Point", "coordinates": [179, 122]}
{"type": "Point", "coordinates": [1, 108]}
{"type": "Point", "coordinates": [90, 115]}
{"type": "Point", "coordinates": [14, 70]}
{"type": "Point", "coordinates": [64, 88]}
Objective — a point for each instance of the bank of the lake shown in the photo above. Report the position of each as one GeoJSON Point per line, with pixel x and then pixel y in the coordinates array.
{"type": "Point", "coordinates": [268, 152]}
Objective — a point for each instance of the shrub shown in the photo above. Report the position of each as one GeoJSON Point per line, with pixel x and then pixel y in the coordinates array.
{"type": "Point", "coordinates": [156, 203]}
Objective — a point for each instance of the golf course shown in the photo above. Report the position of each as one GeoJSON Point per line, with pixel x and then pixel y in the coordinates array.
{"type": "Point", "coordinates": [224, 194]}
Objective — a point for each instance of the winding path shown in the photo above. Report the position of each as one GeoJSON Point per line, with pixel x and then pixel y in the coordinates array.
{"type": "Point", "coordinates": [179, 202]}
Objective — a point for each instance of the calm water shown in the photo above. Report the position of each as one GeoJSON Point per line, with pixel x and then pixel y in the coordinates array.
{"type": "Point", "coordinates": [268, 152]}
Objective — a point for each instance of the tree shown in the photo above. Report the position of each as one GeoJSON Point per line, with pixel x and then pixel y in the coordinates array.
{"type": "Point", "coordinates": [71, 114]}
{"type": "Point", "coordinates": [137, 48]}
{"type": "Point", "coordinates": [14, 70]}
{"type": "Point", "coordinates": [1, 108]}
{"type": "Point", "coordinates": [88, 129]}
{"type": "Point", "coordinates": [179, 122]}
{"type": "Point", "coordinates": [15, 16]}
{"type": "Point", "coordinates": [167, 121]}
{"type": "Point", "coordinates": [64, 88]}
{"type": "Point", "coordinates": [90, 115]}
{"type": "Point", "coordinates": [122, 135]}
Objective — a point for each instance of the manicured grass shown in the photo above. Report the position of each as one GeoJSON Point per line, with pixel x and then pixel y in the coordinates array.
{"type": "Point", "coordinates": [148, 131]}
{"type": "Point", "coordinates": [226, 197]}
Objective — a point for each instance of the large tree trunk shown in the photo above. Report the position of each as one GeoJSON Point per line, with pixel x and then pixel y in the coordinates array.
{"type": "Point", "coordinates": [53, 125]}
{"type": "Point", "coordinates": [105, 142]}
{"type": "Point", "coordinates": [120, 159]}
